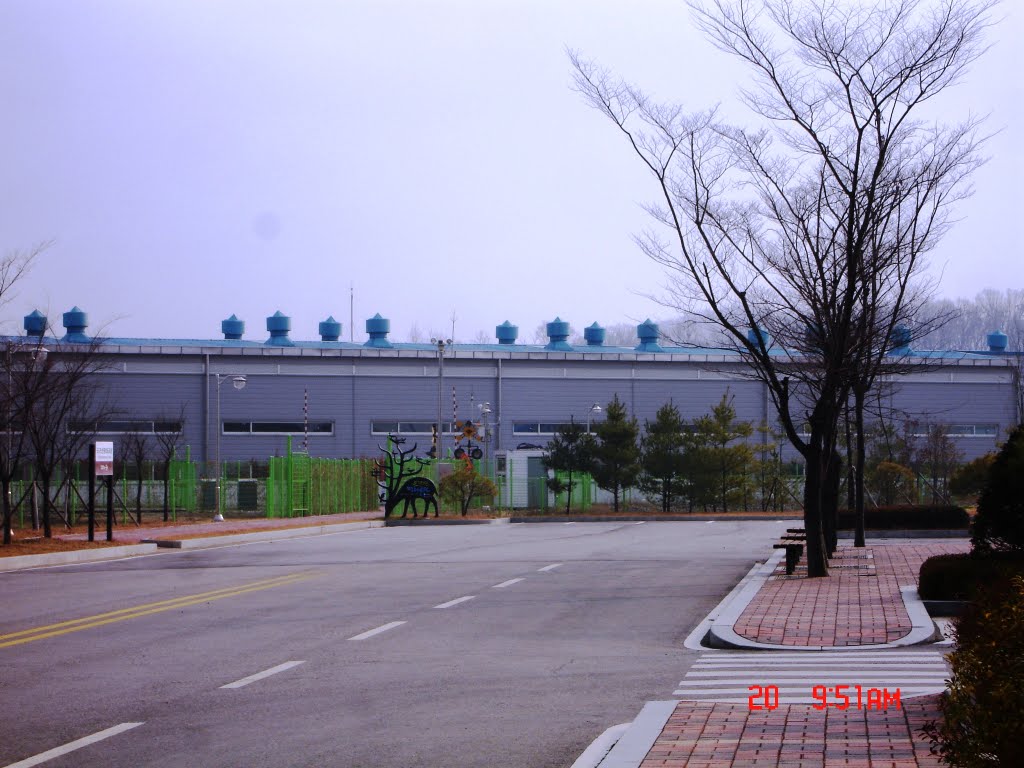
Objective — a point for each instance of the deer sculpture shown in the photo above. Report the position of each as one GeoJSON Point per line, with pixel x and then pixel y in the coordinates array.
{"type": "Point", "coordinates": [398, 475]}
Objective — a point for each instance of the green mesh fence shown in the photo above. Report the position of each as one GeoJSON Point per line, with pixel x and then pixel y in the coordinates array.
{"type": "Point", "coordinates": [298, 485]}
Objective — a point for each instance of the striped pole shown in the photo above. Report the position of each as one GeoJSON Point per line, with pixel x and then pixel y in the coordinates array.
{"type": "Point", "coordinates": [305, 420]}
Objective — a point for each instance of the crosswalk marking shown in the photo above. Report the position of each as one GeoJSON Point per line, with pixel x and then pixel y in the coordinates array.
{"type": "Point", "coordinates": [728, 676]}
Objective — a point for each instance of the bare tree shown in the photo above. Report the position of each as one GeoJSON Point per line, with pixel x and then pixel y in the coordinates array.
{"type": "Point", "coordinates": [169, 434]}
{"type": "Point", "coordinates": [66, 403]}
{"type": "Point", "coordinates": [18, 393]}
{"type": "Point", "coordinates": [770, 230]}
{"type": "Point", "coordinates": [14, 265]}
{"type": "Point", "coordinates": [972, 319]}
{"type": "Point", "coordinates": [135, 450]}
{"type": "Point", "coordinates": [17, 353]}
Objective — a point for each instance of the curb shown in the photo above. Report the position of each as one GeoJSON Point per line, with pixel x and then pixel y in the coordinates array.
{"type": "Point", "coordinates": [399, 522]}
{"type": "Point", "coordinates": [21, 562]}
{"type": "Point", "coordinates": [721, 634]}
{"type": "Point", "coordinates": [630, 750]}
{"type": "Point", "coordinates": [208, 542]}
{"type": "Point", "coordinates": [649, 519]}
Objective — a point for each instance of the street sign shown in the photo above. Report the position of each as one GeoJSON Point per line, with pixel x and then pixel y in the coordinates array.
{"type": "Point", "coordinates": [104, 459]}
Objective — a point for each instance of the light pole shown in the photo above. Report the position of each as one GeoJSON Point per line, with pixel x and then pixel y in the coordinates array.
{"type": "Point", "coordinates": [441, 344]}
{"type": "Point", "coordinates": [595, 408]}
{"type": "Point", "coordinates": [485, 411]}
{"type": "Point", "coordinates": [238, 382]}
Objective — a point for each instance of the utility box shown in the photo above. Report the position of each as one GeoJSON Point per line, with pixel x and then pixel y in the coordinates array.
{"type": "Point", "coordinates": [521, 478]}
{"type": "Point", "coordinates": [248, 495]}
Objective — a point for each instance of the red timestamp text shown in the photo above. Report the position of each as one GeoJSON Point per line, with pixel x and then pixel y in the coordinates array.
{"type": "Point", "coordinates": [766, 697]}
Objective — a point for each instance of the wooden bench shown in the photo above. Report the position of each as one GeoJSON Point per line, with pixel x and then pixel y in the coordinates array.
{"type": "Point", "coordinates": [794, 551]}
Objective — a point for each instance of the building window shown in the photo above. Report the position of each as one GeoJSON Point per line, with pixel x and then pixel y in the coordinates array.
{"type": "Point", "coordinates": [409, 427]}
{"type": "Point", "coordinates": [540, 427]}
{"type": "Point", "coordinates": [126, 426]}
{"type": "Point", "coordinates": [313, 428]}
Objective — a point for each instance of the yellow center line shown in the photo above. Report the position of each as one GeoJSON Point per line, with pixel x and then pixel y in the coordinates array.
{"type": "Point", "coordinates": [75, 625]}
{"type": "Point", "coordinates": [34, 630]}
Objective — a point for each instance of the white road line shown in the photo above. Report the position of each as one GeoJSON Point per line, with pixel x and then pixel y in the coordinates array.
{"type": "Point", "coordinates": [508, 583]}
{"type": "Point", "coordinates": [640, 522]}
{"type": "Point", "coordinates": [547, 568]}
{"type": "Point", "coordinates": [42, 757]}
{"type": "Point", "coordinates": [456, 601]}
{"type": "Point", "coordinates": [265, 673]}
{"type": "Point", "coordinates": [378, 630]}
{"type": "Point", "coordinates": [572, 522]}
{"type": "Point", "coordinates": [710, 522]}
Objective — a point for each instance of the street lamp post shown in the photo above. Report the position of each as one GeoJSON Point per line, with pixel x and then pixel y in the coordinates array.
{"type": "Point", "coordinates": [441, 345]}
{"type": "Point", "coordinates": [485, 411]}
{"type": "Point", "coordinates": [595, 408]}
{"type": "Point", "coordinates": [238, 382]}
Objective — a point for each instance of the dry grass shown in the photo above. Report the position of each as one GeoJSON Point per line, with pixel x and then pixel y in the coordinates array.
{"type": "Point", "coordinates": [41, 546]}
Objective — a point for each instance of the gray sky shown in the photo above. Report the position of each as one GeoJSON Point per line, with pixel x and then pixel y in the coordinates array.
{"type": "Point", "coordinates": [197, 158]}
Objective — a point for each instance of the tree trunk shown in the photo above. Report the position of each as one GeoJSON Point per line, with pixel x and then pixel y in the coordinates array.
{"type": "Point", "coordinates": [568, 494]}
{"type": "Point", "coordinates": [5, 483]}
{"type": "Point", "coordinates": [45, 483]}
{"type": "Point", "coordinates": [860, 451]}
{"type": "Point", "coordinates": [167, 488]}
{"type": "Point", "coordinates": [138, 497]}
{"type": "Point", "coordinates": [817, 564]}
{"type": "Point", "coordinates": [830, 510]}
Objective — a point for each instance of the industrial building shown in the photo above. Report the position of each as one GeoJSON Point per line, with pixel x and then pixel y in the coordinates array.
{"type": "Point", "coordinates": [244, 398]}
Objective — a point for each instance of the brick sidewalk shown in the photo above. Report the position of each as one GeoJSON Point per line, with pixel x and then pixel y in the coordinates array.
{"type": "Point", "coordinates": [701, 735]}
{"type": "Point", "coordinates": [858, 604]}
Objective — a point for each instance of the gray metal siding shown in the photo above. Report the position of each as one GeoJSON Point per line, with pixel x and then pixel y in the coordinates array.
{"type": "Point", "coordinates": [354, 391]}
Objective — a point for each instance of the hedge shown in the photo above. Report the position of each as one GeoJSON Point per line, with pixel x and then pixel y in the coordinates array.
{"type": "Point", "coordinates": [908, 516]}
{"type": "Point", "coordinates": [983, 710]}
{"type": "Point", "coordinates": [958, 576]}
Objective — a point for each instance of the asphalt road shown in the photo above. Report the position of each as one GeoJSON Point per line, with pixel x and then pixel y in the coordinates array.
{"type": "Point", "coordinates": [566, 630]}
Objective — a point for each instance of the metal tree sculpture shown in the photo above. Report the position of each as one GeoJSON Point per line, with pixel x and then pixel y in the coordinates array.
{"type": "Point", "coordinates": [397, 474]}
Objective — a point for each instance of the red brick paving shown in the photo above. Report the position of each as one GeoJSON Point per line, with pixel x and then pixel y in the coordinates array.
{"type": "Point", "coordinates": [860, 603]}
{"type": "Point", "coordinates": [705, 735]}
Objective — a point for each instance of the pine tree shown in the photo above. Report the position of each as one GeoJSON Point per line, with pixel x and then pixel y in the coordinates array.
{"type": "Point", "coordinates": [569, 451]}
{"type": "Point", "coordinates": [662, 459]}
{"type": "Point", "coordinates": [999, 522]}
{"type": "Point", "coordinates": [616, 462]}
{"type": "Point", "coordinates": [726, 467]}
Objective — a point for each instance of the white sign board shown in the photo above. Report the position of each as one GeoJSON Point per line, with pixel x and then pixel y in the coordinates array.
{"type": "Point", "coordinates": [104, 459]}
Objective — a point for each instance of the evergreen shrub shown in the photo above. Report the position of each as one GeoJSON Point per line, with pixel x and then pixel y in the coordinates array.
{"type": "Point", "coordinates": [908, 516]}
{"type": "Point", "coordinates": [999, 522]}
{"type": "Point", "coordinates": [959, 576]}
{"type": "Point", "coordinates": [983, 710]}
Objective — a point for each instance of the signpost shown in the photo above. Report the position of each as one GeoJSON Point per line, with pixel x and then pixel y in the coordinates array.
{"type": "Point", "coordinates": [101, 464]}
{"type": "Point", "coordinates": [104, 459]}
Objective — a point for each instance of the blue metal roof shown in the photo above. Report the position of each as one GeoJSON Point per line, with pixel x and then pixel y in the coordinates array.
{"type": "Point", "coordinates": [495, 347]}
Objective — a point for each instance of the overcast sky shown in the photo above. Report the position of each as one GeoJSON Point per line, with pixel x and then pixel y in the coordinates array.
{"type": "Point", "coordinates": [191, 159]}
